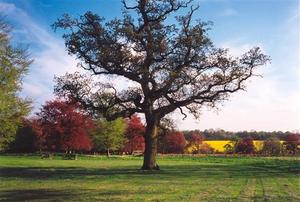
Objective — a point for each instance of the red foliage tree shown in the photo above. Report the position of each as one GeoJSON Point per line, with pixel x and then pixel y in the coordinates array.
{"type": "Point", "coordinates": [63, 127]}
{"type": "Point", "coordinates": [245, 146]}
{"type": "Point", "coordinates": [196, 139]}
{"type": "Point", "coordinates": [291, 143]}
{"type": "Point", "coordinates": [174, 142]}
{"type": "Point", "coordinates": [135, 135]}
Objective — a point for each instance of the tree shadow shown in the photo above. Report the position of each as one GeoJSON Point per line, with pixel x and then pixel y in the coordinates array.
{"type": "Point", "coordinates": [37, 194]}
{"type": "Point", "coordinates": [168, 171]}
{"type": "Point", "coordinates": [182, 175]}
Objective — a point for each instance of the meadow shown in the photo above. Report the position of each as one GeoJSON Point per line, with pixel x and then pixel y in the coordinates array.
{"type": "Point", "coordinates": [181, 178]}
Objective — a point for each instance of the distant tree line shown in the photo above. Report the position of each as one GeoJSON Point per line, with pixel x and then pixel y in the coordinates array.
{"type": "Point", "coordinates": [60, 126]}
{"type": "Point", "coordinates": [219, 134]}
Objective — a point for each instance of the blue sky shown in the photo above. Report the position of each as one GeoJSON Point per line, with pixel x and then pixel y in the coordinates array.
{"type": "Point", "coordinates": [270, 103]}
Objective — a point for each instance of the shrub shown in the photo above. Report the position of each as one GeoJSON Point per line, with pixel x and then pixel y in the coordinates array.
{"type": "Point", "coordinates": [205, 148]}
{"type": "Point", "coordinates": [26, 138]}
{"type": "Point", "coordinates": [229, 148]}
{"type": "Point", "coordinates": [272, 147]}
{"type": "Point", "coordinates": [194, 142]}
{"type": "Point", "coordinates": [245, 146]}
{"type": "Point", "coordinates": [291, 143]}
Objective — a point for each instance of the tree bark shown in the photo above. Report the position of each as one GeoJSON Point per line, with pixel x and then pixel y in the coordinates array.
{"type": "Point", "coordinates": [150, 145]}
{"type": "Point", "coordinates": [107, 153]}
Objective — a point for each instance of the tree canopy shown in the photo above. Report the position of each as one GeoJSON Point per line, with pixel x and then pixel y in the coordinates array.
{"type": "Point", "coordinates": [62, 126]}
{"type": "Point", "coordinates": [171, 62]}
{"type": "Point", "coordinates": [14, 63]}
{"type": "Point", "coordinates": [134, 134]}
{"type": "Point", "coordinates": [109, 135]}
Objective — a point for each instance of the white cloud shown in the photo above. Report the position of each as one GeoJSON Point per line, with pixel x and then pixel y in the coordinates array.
{"type": "Point", "coordinates": [50, 60]}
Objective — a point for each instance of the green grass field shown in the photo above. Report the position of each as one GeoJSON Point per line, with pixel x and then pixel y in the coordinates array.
{"type": "Point", "coordinates": [119, 179]}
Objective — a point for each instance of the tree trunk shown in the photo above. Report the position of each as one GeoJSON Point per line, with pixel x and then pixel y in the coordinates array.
{"type": "Point", "coordinates": [107, 153]}
{"type": "Point", "coordinates": [150, 145]}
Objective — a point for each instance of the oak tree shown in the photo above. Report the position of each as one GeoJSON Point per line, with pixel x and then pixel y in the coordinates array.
{"type": "Point", "coordinates": [170, 60]}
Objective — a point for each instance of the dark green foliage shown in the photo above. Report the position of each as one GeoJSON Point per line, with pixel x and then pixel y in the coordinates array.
{"type": "Point", "coordinates": [26, 138]}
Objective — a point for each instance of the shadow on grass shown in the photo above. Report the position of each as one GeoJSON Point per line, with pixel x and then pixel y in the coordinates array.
{"type": "Point", "coordinates": [197, 171]}
{"type": "Point", "coordinates": [14, 195]}
{"type": "Point", "coordinates": [36, 194]}
{"type": "Point", "coordinates": [177, 174]}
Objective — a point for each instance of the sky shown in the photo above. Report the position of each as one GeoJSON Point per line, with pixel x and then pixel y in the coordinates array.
{"type": "Point", "coordinates": [271, 103]}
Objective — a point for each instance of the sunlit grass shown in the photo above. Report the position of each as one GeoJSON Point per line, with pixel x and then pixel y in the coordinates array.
{"type": "Point", "coordinates": [120, 179]}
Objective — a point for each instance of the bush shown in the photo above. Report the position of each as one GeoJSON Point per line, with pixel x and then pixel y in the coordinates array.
{"type": "Point", "coordinates": [174, 142]}
{"type": "Point", "coordinates": [26, 138]}
{"type": "Point", "coordinates": [229, 148]}
{"type": "Point", "coordinates": [204, 148]}
{"type": "Point", "coordinates": [272, 147]}
{"type": "Point", "coordinates": [291, 143]}
{"type": "Point", "coordinates": [245, 146]}
{"type": "Point", "coordinates": [194, 142]}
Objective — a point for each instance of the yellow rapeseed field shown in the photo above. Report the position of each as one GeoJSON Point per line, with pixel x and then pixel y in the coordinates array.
{"type": "Point", "coordinates": [218, 145]}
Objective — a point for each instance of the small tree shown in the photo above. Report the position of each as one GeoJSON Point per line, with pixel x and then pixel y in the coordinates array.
{"type": "Point", "coordinates": [171, 66]}
{"type": "Point", "coordinates": [291, 142]}
{"type": "Point", "coordinates": [174, 142]}
{"type": "Point", "coordinates": [165, 127]}
{"type": "Point", "coordinates": [14, 63]}
{"type": "Point", "coordinates": [272, 147]}
{"type": "Point", "coordinates": [245, 146]}
{"type": "Point", "coordinates": [229, 148]}
{"type": "Point", "coordinates": [205, 148]}
{"type": "Point", "coordinates": [63, 127]}
{"type": "Point", "coordinates": [26, 137]}
{"type": "Point", "coordinates": [109, 135]}
{"type": "Point", "coordinates": [195, 140]}
{"type": "Point", "coordinates": [135, 135]}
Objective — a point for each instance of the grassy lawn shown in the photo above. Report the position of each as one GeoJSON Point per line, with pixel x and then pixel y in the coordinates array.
{"type": "Point", "coordinates": [119, 179]}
